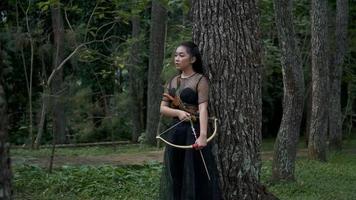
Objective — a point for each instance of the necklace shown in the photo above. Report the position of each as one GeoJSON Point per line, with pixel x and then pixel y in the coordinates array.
{"type": "Point", "coordinates": [181, 75]}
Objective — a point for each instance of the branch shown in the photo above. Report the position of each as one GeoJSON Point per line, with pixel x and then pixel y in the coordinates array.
{"type": "Point", "coordinates": [107, 24]}
{"type": "Point", "coordinates": [66, 17]}
{"type": "Point", "coordinates": [91, 15]}
{"type": "Point", "coordinates": [73, 53]}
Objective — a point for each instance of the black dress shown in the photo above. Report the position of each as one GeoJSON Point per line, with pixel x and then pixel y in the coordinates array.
{"type": "Point", "coordinates": [184, 176]}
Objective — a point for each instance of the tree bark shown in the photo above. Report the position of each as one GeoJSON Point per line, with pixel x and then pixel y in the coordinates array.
{"type": "Point", "coordinates": [135, 78]}
{"type": "Point", "coordinates": [320, 71]}
{"type": "Point", "coordinates": [44, 108]}
{"type": "Point", "coordinates": [57, 83]}
{"type": "Point", "coordinates": [285, 147]}
{"type": "Point", "coordinates": [229, 37]}
{"type": "Point", "coordinates": [307, 108]}
{"type": "Point", "coordinates": [335, 115]}
{"type": "Point", "coordinates": [5, 165]}
{"type": "Point", "coordinates": [155, 89]}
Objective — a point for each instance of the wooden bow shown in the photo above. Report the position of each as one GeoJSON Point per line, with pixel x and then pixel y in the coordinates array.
{"type": "Point", "coordinates": [187, 146]}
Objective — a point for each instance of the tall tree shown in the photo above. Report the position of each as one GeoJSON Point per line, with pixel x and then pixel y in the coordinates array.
{"type": "Point", "coordinates": [320, 80]}
{"type": "Point", "coordinates": [285, 147]}
{"type": "Point", "coordinates": [154, 90]}
{"type": "Point", "coordinates": [335, 115]}
{"type": "Point", "coordinates": [5, 170]}
{"type": "Point", "coordinates": [136, 83]}
{"type": "Point", "coordinates": [228, 34]}
{"type": "Point", "coordinates": [57, 83]}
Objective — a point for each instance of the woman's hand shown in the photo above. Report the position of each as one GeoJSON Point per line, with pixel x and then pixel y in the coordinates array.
{"type": "Point", "coordinates": [200, 142]}
{"type": "Point", "coordinates": [182, 115]}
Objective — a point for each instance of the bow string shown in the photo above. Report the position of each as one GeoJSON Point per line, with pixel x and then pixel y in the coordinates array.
{"type": "Point", "coordinates": [191, 145]}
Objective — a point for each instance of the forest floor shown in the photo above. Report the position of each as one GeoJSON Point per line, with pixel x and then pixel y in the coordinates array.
{"type": "Point", "coordinates": [127, 154]}
{"type": "Point", "coordinates": [118, 155]}
{"type": "Point", "coordinates": [133, 172]}
{"type": "Point", "coordinates": [114, 159]}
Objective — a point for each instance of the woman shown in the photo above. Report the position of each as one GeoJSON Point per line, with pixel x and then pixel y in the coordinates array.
{"type": "Point", "coordinates": [188, 174]}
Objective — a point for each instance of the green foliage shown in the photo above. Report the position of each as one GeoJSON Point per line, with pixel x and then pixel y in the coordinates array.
{"type": "Point", "coordinates": [101, 67]}
{"type": "Point", "coordinates": [179, 29]}
{"type": "Point", "coordinates": [85, 182]}
{"type": "Point", "coordinates": [88, 123]}
{"type": "Point", "coordinates": [316, 180]}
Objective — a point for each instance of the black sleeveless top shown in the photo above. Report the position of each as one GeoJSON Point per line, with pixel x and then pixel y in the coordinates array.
{"type": "Point", "coordinates": [192, 90]}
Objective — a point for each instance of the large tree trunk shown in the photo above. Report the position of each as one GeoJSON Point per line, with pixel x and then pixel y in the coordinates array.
{"type": "Point", "coordinates": [136, 83]}
{"type": "Point", "coordinates": [155, 89]}
{"type": "Point", "coordinates": [319, 47]}
{"type": "Point", "coordinates": [57, 83]}
{"type": "Point", "coordinates": [5, 167]}
{"type": "Point", "coordinates": [5, 170]}
{"type": "Point", "coordinates": [335, 115]}
{"type": "Point", "coordinates": [285, 148]}
{"type": "Point", "coordinates": [228, 34]}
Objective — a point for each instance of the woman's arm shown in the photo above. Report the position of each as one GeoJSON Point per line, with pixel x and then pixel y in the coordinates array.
{"type": "Point", "coordinates": [170, 112]}
{"type": "Point", "coordinates": [203, 120]}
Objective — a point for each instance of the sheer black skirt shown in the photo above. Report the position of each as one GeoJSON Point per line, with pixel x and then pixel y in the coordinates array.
{"type": "Point", "coordinates": [184, 176]}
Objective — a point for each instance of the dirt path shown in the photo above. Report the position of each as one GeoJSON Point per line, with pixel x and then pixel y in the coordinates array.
{"type": "Point", "coordinates": [113, 159]}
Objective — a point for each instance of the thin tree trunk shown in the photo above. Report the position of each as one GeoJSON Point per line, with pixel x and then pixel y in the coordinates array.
{"type": "Point", "coordinates": [155, 89]}
{"type": "Point", "coordinates": [136, 83]}
{"type": "Point", "coordinates": [42, 119]}
{"type": "Point", "coordinates": [57, 83]}
{"type": "Point", "coordinates": [5, 165]}
{"type": "Point", "coordinates": [285, 147]}
{"type": "Point", "coordinates": [44, 108]}
{"type": "Point", "coordinates": [228, 34]}
{"type": "Point", "coordinates": [335, 115]}
{"type": "Point", "coordinates": [53, 150]}
{"type": "Point", "coordinates": [319, 116]}
{"type": "Point", "coordinates": [347, 118]}
{"type": "Point", "coordinates": [31, 136]}
{"type": "Point", "coordinates": [28, 77]}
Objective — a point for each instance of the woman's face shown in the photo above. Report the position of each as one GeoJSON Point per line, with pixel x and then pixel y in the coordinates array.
{"type": "Point", "coordinates": [182, 59]}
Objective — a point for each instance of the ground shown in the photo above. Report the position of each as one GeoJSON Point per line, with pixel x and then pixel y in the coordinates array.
{"type": "Point", "coordinates": [136, 158]}
{"type": "Point", "coordinates": [119, 159]}
{"type": "Point", "coordinates": [129, 154]}
{"type": "Point", "coordinates": [122, 175]}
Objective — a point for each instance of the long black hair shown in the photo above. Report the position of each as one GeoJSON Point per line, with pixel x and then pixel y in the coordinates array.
{"type": "Point", "coordinates": [193, 51]}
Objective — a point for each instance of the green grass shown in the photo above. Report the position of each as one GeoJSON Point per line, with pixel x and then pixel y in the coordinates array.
{"type": "Point", "coordinates": [268, 144]}
{"type": "Point", "coordinates": [83, 151]}
{"type": "Point", "coordinates": [89, 183]}
{"type": "Point", "coordinates": [349, 144]}
{"type": "Point", "coordinates": [334, 180]}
